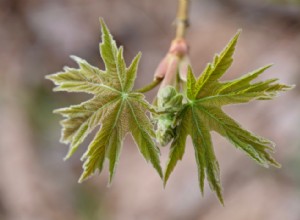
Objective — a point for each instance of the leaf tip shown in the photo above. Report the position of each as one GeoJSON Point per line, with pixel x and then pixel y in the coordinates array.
{"type": "Point", "coordinates": [101, 21]}
{"type": "Point", "coordinates": [202, 192]}
{"type": "Point", "coordinates": [268, 66]}
{"type": "Point", "coordinates": [166, 178]}
{"type": "Point", "coordinates": [56, 111]}
{"type": "Point", "coordinates": [84, 176]}
{"type": "Point", "coordinates": [76, 59]}
{"type": "Point", "coordinates": [220, 197]}
{"type": "Point", "coordinates": [165, 183]}
{"type": "Point", "coordinates": [51, 77]}
{"type": "Point", "coordinates": [290, 87]}
{"type": "Point", "coordinates": [68, 156]}
{"type": "Point", "coordinates": [81, 179]}
{"type": "Point", "coordinates": [139, 55]}
{"type": "Point", "coordinates": [121, 50]}
{"type": "Point", "coordinates": [111, 176]}
{"type": "Point", "coordinates": [48, 77]}
{"type": "Point", "coordinates": [160, 173]}
{"type": "Point", "coordinates": [104, 28]}
{"type": "Point", "coordinates": [277, 165]}
{"type": "Point", "coordinates": [190, 70]}
{"type": "Point", "coordinates": [222, 202]}
{"type": "Point", "coordinates": [235, 38]}
{"type": "Point", "coordinates": [109, 184]}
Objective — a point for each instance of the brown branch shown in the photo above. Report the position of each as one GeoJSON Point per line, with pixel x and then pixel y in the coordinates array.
{"type": "Point", "coordinates": [182, 20]}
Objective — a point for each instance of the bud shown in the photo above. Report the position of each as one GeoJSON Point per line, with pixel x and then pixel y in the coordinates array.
{"type": "Point", "coordinates": [174, 65]}
{"type": "Point", "coordinates": [169, 102]}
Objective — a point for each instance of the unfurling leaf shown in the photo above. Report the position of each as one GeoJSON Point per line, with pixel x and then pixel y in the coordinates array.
{"type": "Point", "coordinates": [203, 113]}
{"type": "Point", "coordinates": [169, 103]}
{"type": "Point", "coordinates": [114, 107]}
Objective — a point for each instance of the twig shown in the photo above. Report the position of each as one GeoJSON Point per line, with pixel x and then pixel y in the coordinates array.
{"type": "Point", "coordinates": [182, 20]}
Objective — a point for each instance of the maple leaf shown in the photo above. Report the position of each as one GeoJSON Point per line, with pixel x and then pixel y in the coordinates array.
{"type": "Point", "coordinates": [202, 113]}
{"type": "Point", "coordinates": [114, 106]}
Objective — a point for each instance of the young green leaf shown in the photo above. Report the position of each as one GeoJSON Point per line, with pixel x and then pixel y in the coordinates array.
{"type": "Point", "coordinates": [203, 113]}
{"type": "Point", "coordinates": [114, 106]}
{"type": "Point", "coordinates": [169, 101]}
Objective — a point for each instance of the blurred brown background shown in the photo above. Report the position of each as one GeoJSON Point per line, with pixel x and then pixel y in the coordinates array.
{"type": "Point", "coordinates": [36, 39]}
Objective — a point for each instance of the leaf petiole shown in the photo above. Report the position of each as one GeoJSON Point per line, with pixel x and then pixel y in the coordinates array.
{"type": "Point", "coordinates": [150, 86]}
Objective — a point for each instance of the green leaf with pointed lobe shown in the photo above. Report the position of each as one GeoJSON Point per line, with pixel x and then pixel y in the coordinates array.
{"type": "Point", "coordinates": [114, 107]}
{"type": "Point", "coordinates": [202, 113]}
